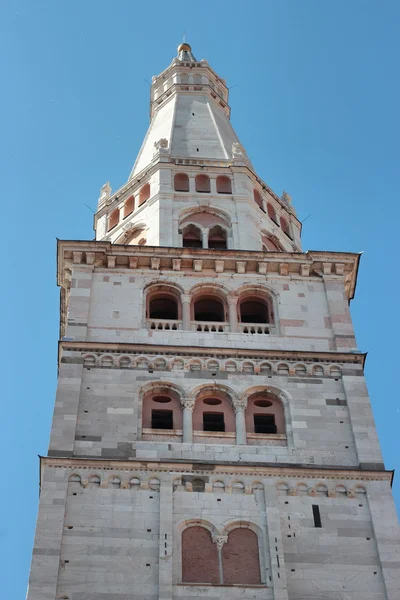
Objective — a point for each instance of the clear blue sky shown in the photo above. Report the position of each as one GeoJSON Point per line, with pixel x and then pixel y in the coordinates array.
{"type": "Point", "coordinates": [315, 101]}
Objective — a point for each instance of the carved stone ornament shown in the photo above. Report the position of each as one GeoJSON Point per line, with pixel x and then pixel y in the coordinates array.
{"type": "Point", "coordinates": [187, 403]}
{"type": "Point", "coordinates": [125, 485]}
{"type": "Point", "coordinates": [219, 540]}
{"type": "Point", "coordinates": [292, 491]}
{"type": "Point", "coordinates": [161, 146]}
{"type": "Point", "coordinates": [84, 483]}
{"type": "Point", "coordinates": [312, 492]}
{"type": "Point", "coordinates": [286, 198]}
{"type": "Point", "coordinates": [239, 406]}
{"type": "Point", "coordinates": [237, 150]}
{"type": "Point", "coordinates": [105, 192]}
{"type": "Point", "coordinates": [331, 494]}
{"type": "Point", "coordinates": [351, 494]}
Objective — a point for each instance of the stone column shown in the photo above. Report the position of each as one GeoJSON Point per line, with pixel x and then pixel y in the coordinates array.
{"type": "Point", "coordinates": [239, 408]}
{"type": "Point", "coordinates": [204, 237]}
{"type": "Point", "coordinates": [187, 407]}
{"type": "Point", "coordinates": [186, 317]}
{"type": "Point", "coordinates": [220, 540]}
{"type": "Point", "coordinates": [232, 308]}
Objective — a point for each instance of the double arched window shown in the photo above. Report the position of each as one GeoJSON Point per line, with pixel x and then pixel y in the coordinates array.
{"type": "Point", "coordinates": [205, 229]}
{"type": "Point", "coordinates": [236, 561]}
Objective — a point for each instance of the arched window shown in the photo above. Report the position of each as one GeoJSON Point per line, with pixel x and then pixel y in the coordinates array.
{"type": "Point", "coordinates": [217, 238]}
{"type": "Point", "coordinates": [129, 206]}
{"type": "Point", "coordinates": [161, 410]}
{"type": "Point", "coordinates": [202, 183]}
{"type": "Point", "coordinates": [209, 308]}
{"type": "Point", "coordinates": [285, 227]}
{"type": "Point", "coordinates": [213, 412]}
{"type": "Point", "coordinates": [113, 219]}
{"type": "Point", "coordinates": [271, 213]}
{"type": "Point", "coordinates": [241, 558]}
{"type": "Point", "coordinates": [181, 182]}
{"type": "Point", "coordinates": [163, 302]}
{"type": "Point", "coordinates": [264, 414]}
{"type": "Point", "coordinates": [191, 237]}
{"type": "Point", "coordinates": [258, 199]}
{"type": "Point", "coordinates": [270, 245]}
{"type": "Point", "coordinates": [199, 556]}
{"type": "Point", "coordinates": [144, 194]}
{"type": "Point", "coordinates": [254, 310]}
{"type": "Point", "coordinates": [224, 185]}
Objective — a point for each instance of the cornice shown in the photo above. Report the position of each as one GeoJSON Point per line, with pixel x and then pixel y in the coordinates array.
{"type": "Point", "coordinates": [310, 264]}
{"type": "Point", "coordinates": [198, 351]}
{"type": "Point", "coordinates": [212, 468]}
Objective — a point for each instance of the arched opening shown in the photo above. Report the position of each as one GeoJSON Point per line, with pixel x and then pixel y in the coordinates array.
{"type": "Point", "coordinates": [241, 558]}
{"type": "Point", "coordinates": [181, 182]}
{"type": "Point", "coordinates": [264, 414]}
{"type": "Point", "coordinates": [191, 237]}
{"type": "Point", "coordinates": [113, 219]}
{"type": "Point", "coordinates": [254, 310]}
{"type": "Point", "coordinates": [258, 199]}
{"type": "Point", "coordinates": [270, 245]}
{"type": "Point", "coordinates": [209, 309]}
{"type": "Point", "coordinates": [161, 411]}
{"type": "Point", "coordinates": [285, 227]}
{"type": "Point", "coordinates": [271, 213]}
{"type": "Point", "coordinates": [224, 185]}
{"type": "Point", "coordinates": [213, 413]}
{"type": "Point", "coordinates": [217, 238]}
{"type": "Point", "coordinates": [163, 307]}
{"type": "Point", "coordinates": [203, 184]}
{"type": "Point", "coordinates": [132, 237]}
{"type": "Point", "coordinates": [144, 194]}
{"type": "Point", "coordinates": [199, 556]}
{"type": "Point", "coordinates": [129, 206]}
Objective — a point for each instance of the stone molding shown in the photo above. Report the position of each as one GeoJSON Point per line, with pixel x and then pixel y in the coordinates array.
{"type": "Point", "coordinates": [257, 471]}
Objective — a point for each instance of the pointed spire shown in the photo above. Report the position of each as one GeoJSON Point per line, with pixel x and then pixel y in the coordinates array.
{"type": "Point", "coordinates": [185, 53]}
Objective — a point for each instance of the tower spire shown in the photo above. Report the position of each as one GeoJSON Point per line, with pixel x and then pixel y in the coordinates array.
{"type": "Point", "coordinates": [185, 51]}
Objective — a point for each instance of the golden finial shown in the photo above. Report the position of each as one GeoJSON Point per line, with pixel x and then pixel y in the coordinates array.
{"type": "Point", "coordinates": [184, 47]}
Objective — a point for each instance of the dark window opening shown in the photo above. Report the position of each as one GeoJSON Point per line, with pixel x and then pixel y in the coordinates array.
{"type": "Point", "coordinates": [264, 424]}
{"type": "Point", "coordinates": [316, 515]}
{"type": "Point", "coordinates": [163, 308]}
{"type": "Point", "coordinates": [192, 237]}
{"type": "Point", "coordinates": [162, 419]}
{"type": "Point", "coordinates": [208, 310]}
{"type": "Point", "coordinates": [213, 422]}
{"type": "Point", "coordinates": [198, 485]}
{"type": "Point", "coordinates": [217, 238]}
{"type": "Point", "coordinates": [253, 312]}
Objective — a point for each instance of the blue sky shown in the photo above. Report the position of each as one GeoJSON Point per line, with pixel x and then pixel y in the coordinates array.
{"type": "Point", "coordinates": [315, 96]}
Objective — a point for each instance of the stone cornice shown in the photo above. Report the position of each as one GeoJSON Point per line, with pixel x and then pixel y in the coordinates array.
{"type": "Point", "coordinates": [198, 351]}
{"type": "Point", "coordinates": [212, 468]}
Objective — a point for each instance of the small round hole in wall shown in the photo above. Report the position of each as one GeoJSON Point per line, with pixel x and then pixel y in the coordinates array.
{"type": "Point", "coordinates": [262, 403]}
{"type": "Point", "coordinates": [212, 401]}
{"type": "Point", "coordinates": [161, 399]}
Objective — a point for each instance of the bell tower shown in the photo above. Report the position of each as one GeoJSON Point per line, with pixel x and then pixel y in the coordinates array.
{"type": "Point", "coordinates": [212, 433]}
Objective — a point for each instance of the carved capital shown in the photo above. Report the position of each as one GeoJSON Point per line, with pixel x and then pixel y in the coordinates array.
{"type": "Point", "coordinates": [187, 403]}
{"type": "Point", "coordinates": [239, 406]}
{"type": "Point", "coordinates": [292, 491]}
{"type": "Point", "coordinates": [219, 540]}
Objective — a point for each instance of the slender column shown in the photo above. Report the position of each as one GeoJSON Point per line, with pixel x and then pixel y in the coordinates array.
{"type": "Point", "coordinates": [232, 308]}
{"type": "Point", "coordinates": [220, 540]}
{"type": "Point", "coordinates": [204, 235]}
{"type": "Point", "coordinates": [185, 299]}
{"type": "Point", "coordinates": [239, 408]}
{"type": "Point", "coordinates": [165, 541]}
{"type": "Point", "coordinates": [187, 406]}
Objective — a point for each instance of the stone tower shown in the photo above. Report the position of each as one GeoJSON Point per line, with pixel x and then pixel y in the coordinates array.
{"type": "Point", "coordinates": [212, 433]}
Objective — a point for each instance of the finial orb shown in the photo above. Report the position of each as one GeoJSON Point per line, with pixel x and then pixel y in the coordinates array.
{"type": "Point", "coordinates": [184, 47]}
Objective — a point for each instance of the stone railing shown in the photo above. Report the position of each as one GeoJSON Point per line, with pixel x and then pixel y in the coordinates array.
{"type": "Point", "coordinates": [211, 326]}
{"type": "Point", "coordinates": [164, 324]}
{"type": "Point", "coordinates": [262, 328]}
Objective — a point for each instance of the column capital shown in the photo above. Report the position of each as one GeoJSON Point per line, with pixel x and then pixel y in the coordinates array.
{"type": "Point", "coordinates": [219, 540]}
{"type": "Point", "coordinates": [232, 299]}
{"type": "Point", "coordinates": [187, 403]}
{"type": "Point", "coordinates": [239, 406]}
{"type": "Point", "coordinates": [185, 298]}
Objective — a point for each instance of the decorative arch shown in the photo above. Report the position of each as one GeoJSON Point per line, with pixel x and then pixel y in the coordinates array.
{"type": "Point", "coordinates": [209, 303]}
{"type": "Point", "coordinates": [163, 301]}
{"type": "Point", "coordinates": [270, 243]}
{"type": "Point", "coordinates": [181, 182]}
{"type": "Point", "coordinates": [202, 183]}
{"type": "Point", "coordinates": [219, 216]}
{"type": "Point", "coordinates": [258, 199]}
{"type": "Point", "coordinates": [144, 194]}
{"type": "Point", "coordinates": [129, 206]}
{"type": "Point", "coordinates": [285, 399]}
{"type": "Point", "coordinates": [161, 410]}
{"type": "Point", "coordinates": [113, 219]}
{"type": "Point", "coordinates": [133, 235]}
{"type": "Point", "coordinates": [224, 185]}
{"type": "Point", "coordinates": [214, 410]}
{"type": "Point", "coordinates": [243, 553]}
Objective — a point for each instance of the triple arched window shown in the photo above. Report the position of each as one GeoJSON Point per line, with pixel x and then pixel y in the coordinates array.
{"type": "Point", "coordinates": [202, 183]}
